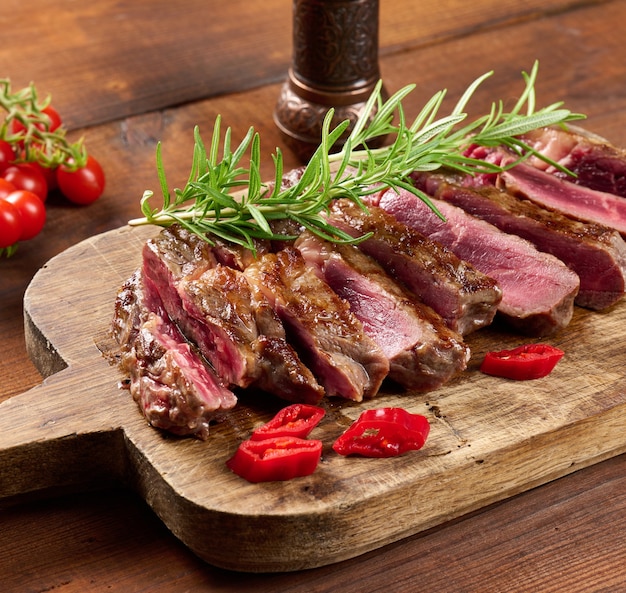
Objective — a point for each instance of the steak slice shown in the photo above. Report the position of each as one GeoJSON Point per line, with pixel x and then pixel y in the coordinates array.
{"type": "Point", "coordinates": [538, 290]}
{"type": "Point", "coordinates": [166, 266]}
{"type": "Point", "coordinates": [549, 191]}
{"type": "Point", "coordinates": [281, 372]}
{"type": "Point", "coordinates": [423, 352]}
{"type": "Point", "coordinates": [174, 388]}
{"type": "Point", "coordinates": [217, 315]}
{"type": "Point", "coordinates": [596, 253]}
{"type": "Point", "coordinates": [466, 298]}
{"type": "Point", "coordinates": [244, 330]}
{"type": "Point", "coordinates": [215, 309]}
{"type": "Point", "coordinates": [329, 338]}
{"type": "Point", "coordinates": [597, 163]}
{"type": "Point", "coordinates": [567, 197]}
{"type": "Point", "coordinates": [131, 309]}
{"type": "Point", "coordinates": [182, 252]}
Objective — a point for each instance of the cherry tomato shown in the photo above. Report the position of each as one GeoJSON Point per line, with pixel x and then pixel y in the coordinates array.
{"type": "Point", "coordinates": [10, 224]}
{"type": "Point", "coordinates": [28, 177]}
{"type": "Point", "coordinates": [49, 174]}
{"type": "Point", "coordinates": [17, 127]}
{"type": "Point", "coordinates": [83, 186]}
{"type": "Point", "coordinates": [6, 188]}
{"type": "Point", "coordinates": [7, 155]}
{"type": "Point", "coordinates": [53, 115]}
{"type": "Point", "coordinates": [32, 212]}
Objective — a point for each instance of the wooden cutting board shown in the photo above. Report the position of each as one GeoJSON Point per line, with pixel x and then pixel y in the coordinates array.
{"type": "Point", "coordinates": [490, 438]}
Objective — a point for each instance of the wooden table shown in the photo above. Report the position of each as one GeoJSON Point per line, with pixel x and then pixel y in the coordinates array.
{"type": "Point", "coordinates": [126, 75]}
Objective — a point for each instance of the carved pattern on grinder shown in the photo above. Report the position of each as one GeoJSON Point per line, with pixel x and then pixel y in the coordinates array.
{"type": "Point", "coordinates": [335, 64]}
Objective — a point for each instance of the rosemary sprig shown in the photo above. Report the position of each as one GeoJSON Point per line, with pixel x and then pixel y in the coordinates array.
{"type": "Point", "coordinates": [207, 207]}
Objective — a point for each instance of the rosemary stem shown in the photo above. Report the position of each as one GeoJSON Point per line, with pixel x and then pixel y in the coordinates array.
{"type": "Point", "coordinates": [430, 142]}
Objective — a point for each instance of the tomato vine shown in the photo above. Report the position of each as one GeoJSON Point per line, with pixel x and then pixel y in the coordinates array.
{"type": "Point", "coordinates": [35, 158]}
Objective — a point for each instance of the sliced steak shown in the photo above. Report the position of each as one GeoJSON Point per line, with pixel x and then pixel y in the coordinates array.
{"type": "Point", "coordinates": [549, 191]}
{"type": "Point", "coordinates": [131, 309]}
{"type": "Point", "coordinates": [215, 309]}
{"type": "Point", "coordinates": [177, 253]}
{"type": "Point", "coordinates": [423, 352]}
{"type": "Point", "coordinates": [281, 372]}
{"type": "Point", "coordinates": [329, 338]}
{"type": "Point", "coordinates": [596, 253]}
{"type": "Point", "coordinates": [236, 256]}
{"type": "Point", "coordinates": [174, 388]}
{"type": "Point", "coordinates": [245, 329]}
{"type": "Point", "coordinates": [217, 315]}
{"type": "Point", "coordinates": [567, 197]}
{"type": "Point", "coordinates": [173, 255]}
{"type": "Point", "coordinates": [538, 290]}
{"type": "Point", "coordinates": [466, 298]}
{"type": "Point", "coordinates": [597, 164]}
{"type": "Point", "coordinates": [217, 341]}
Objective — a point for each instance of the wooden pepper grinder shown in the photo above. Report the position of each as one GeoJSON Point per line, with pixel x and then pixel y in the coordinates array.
{"type": "Point", "coordinates": [335, 64]}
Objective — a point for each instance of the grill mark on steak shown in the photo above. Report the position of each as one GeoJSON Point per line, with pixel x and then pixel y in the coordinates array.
{"type": "Point", "coordinates": [217, 316]}
{"type": "Point", "coordinates": [245, 329]}
{"type": "Point", "coordinates": [329, 338]}
{"type": "Point", "coordinates": [538, 289]}
{"type": "Point", "coordinates": [174, 389]}
{"type": "Point", "coordinates": [423, 352]}
{"type": "Point", "coordinates": [466, 298]}
{"type": "Point", "coordinates": [594, 252]}
{"type": "Point", "coordinates": [214, 307]}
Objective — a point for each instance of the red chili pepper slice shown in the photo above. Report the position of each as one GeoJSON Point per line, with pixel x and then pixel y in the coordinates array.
{"type": "Point", "coordinates": [384, 432]}
{"type": "Point", "coordinates": [296, 420]}
{"type": "Point", "coordinates": [275, 459]}
{"type": "Point", "coordinates": [531, 361]}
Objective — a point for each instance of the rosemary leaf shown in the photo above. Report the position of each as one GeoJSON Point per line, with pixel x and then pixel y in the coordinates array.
{"type": "Point", "coordinates": [162, 179]}
{"type": "Point", "coordinates": [210, 206]}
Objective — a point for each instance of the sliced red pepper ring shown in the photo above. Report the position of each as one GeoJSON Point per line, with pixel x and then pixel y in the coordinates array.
{"type": "Point", "coordinates": [296, 420]}
{"type": "Point", "coordinates": [531, 361]}
{"type": "Point", "coordinates": [384, 432]}
{"type": "Point", "coordinates": [275, 459]}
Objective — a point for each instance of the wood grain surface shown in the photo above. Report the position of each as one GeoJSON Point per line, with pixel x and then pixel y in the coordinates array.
{"type": "Point", "coordinates": [124, 76]}
{"type": "Point", "coordinates": [490, 438]}
{"type": "Point", "coordinates": [114, 54]}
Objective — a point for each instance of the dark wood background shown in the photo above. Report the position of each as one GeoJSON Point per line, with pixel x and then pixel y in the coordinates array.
{"type": "Point", "coordinates": [126, 75]}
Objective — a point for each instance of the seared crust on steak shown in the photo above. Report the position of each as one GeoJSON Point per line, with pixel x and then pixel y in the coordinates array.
{"type": "Point", "coordinates": [550, 191]}
{"type": "Point", "coordinates": [218, 317]}
{"type": "Point", "coordinates": [183, 254]}
{"type": "Point", "coordinates": [596, 253]}
{"type": "Point", "coordinates": [538, 290]}
{"type": "Point", "coordinates": [281, 372]}
{"type": "Point", "coordinates": [466, 298]}
{"type": "Point", "coordinates": [214, 307]}
{"type": "Point", "coordinates": [174, 388]}
{"type": "Point", "coordinates": [329, 338]}
{"type": "Point", "coordinates": [221, 298]}
{"type": "Point", "coordinates": [423, 351]}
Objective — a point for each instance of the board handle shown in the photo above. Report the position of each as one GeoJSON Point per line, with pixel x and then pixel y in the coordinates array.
{"type": "Point", "coordinates": [59, 436]}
